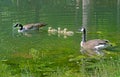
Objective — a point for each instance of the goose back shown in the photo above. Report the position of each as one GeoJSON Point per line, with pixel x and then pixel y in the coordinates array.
{"type": "Point", "coordinates": [95, 44]}
{"type": "Point", "coordinates": [34, 26]}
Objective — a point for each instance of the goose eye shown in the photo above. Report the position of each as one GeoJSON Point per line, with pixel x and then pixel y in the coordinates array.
{"type": "Point", "coordinates": [20, 25]}
{"type": "Point", "coordinates": [106, 41]}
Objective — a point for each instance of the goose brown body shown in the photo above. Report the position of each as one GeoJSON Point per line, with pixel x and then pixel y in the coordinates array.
{"type": "Point", "coordinates": [95, 44]}
{"type": "Point", "coordinates": [27, 27]}
{"type": "Point", "coordinates": [37, 25]}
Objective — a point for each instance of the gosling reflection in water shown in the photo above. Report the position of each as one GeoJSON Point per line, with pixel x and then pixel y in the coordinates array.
{"type": "Point", "coordinates": [59, 34]}
{"type": "Point", "coordinates": [64, 33]}
{"type": "Point", "coordinates": [51, 31]}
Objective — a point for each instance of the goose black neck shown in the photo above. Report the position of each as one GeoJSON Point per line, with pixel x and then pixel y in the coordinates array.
{"type": "Point", "coordinates": [84, 35]}
{"type": "Point", "coordinates": [21, 26]}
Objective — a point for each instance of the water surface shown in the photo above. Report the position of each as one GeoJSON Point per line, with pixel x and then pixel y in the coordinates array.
{"type": "Point", "coordinates": [43, 52]}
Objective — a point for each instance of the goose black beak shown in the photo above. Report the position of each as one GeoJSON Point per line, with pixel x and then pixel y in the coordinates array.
{"type": "Point", "coordinates": [16, 25]}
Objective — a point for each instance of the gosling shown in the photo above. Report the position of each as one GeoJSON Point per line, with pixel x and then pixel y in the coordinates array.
{"type": "Point", "coordinates": [68, 32]}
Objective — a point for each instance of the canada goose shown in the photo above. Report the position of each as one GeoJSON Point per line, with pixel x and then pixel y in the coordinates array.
{"type": "Point", "coordinates": [95, 44]}
{"type": "Point", "coordinates": [27, 27]}
{"type": "Point", "coordinates": [68, 32]}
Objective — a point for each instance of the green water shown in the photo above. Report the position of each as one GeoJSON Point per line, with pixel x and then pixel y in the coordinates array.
{"type": "Point", "coordinates": [40, 54]}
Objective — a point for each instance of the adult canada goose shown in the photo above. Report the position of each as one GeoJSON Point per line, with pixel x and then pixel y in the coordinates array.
{"type": "Point", "coordinates": [95, 44]}
{"type": "Point", "coordinates": [28, 27]}
{"type": "Point", "coordinates": [68, 32]}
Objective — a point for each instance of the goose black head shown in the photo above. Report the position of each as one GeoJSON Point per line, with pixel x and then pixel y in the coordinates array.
{"type": "Point", "coordinates": [20, 25]}
{"type": "Point", "coordinates": [16, 25]}
{"type": "Point", "coordinates": [83, 29]}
